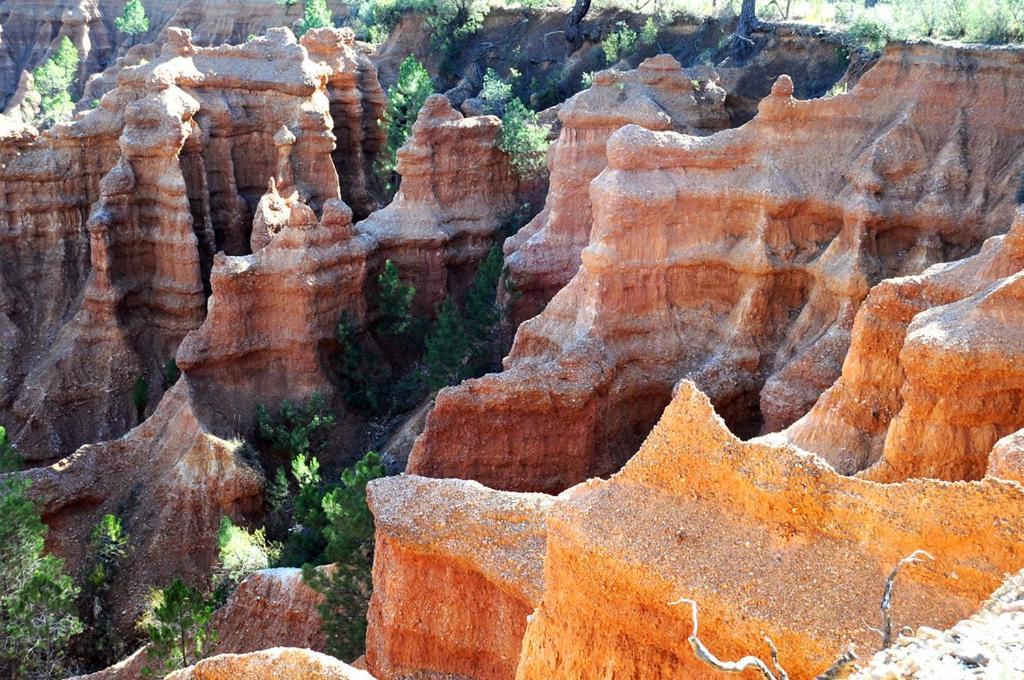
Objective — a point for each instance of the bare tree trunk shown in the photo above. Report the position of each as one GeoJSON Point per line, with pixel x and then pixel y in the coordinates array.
{"type": "Point", "coordinates": [572, 24]}
{"type": "Point", "coordinates": [748, 21]}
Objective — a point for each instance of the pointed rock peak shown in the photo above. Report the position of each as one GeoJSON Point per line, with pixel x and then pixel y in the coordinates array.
{"type": "Point", "coordinates": [177, 42]}
{"type": "Point", "coordinates": [284, 137]}
{"type": "Point", "coordinates": [783, 86]}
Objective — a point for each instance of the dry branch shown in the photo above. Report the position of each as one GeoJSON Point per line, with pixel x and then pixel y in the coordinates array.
{"type": "Point", "coordinates": [916, 556]}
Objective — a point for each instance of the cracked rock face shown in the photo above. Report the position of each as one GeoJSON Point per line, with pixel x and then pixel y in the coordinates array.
{"type": "Point", "coordinates": [739, 261]}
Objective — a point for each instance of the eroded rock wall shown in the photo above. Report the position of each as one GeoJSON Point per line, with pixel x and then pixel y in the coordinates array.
{"type": "Point", "coordinates": [739, 260]}
{"type": "Point", "coordinates": [933, 377]}
{"type": "Point", "coordinates": [544, 255]}
{"type": "Point", "coordinates": [185, 147]}
{"type": "Point", "coordinates": [452, 597]}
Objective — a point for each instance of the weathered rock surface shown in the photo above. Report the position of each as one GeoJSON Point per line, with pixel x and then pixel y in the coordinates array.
{"type": "Point", "coordinates": [170, 480]}
{"type": "Point", "coordinates": [457, 570]}
{"type": "Point", "coordinates": [457, 190]}
{"type": "Point", "coordinates": [272, 315]}
{"type": "Point", "coordinates": [545, 254]}
{"type": "Point", "coordinates": [1006, 460]}
{"type": "Point", "coordinates": [768, 540]}
{"type": "Point", "coordinates": [934, 374]}
{"type": "Point", "coordinates": [279, 663]}
{"type": "Point", "coordinates": [270, 608]}
{"type": "Point", "coordinates": [32, 29]}
{"type": "Point", "coordinates": [182, 174]}
{"type": "Point", "coordinates": [990, 644]}
{"type": "Point", "coordinates": [739, 260]}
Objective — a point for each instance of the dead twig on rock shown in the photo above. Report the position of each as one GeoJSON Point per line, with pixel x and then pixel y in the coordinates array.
{"type": "Point", "coordinates": [840, 664]}
{"type": "Point", "coordinates": [912, 558]}
{"type": "Point", "coordinates": [747, 662]}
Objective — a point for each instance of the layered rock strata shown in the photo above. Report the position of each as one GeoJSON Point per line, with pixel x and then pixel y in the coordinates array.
{"type": "Point", "coordinates": [545, 254]}
{"type": "Point", "coordinates": [272, 315]}
{"type": "Point", "coordinates": [457, 190]}
{"type": "Point", "coordinates": [270, 608]}
{"type": "Point", "coordinates": [768, 540]}
{"type": "Point", "coordinates": [457, 571]}
{"type": "Point", "coordinates": [185, 147]}
{"type": "Point", "coordinates": [934, 374]}
{"type": "Point", "coordinates": [169, 480]}
{"type": "Point", "coordinates": [739, 260]}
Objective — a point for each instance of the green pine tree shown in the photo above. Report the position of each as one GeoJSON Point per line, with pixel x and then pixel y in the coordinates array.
{"type": "Point", "coordinates": [482, 314]}
{"type": "Point", "coordinates": [447, 348]}
{"type": "Point", "coordinates": [394, 300]}
{"type": "Point", "coordinates": [108, 547]}
{"type": "Point", "coordinates": [133, 19]}
{"type": "Point", "coordinates": [350, 543]}
{"type": "Point", "coordinates": [178, 626]}
{"type": "Point", "coordinates": [53, 80]}
{"type": "Point", "coordinates": [405, 99]}
{"type": "Point", "coordinates": [315, 14]}
{"type": "Point", "coordinates": [37, 599]}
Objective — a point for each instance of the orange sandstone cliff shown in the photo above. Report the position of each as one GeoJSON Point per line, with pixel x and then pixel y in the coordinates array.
{"type": "Point", "coordinates": [739, 261]}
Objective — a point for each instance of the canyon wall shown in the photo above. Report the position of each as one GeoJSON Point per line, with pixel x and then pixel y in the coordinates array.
{"type": "Point", "coordinates": [768, 541]}
{"type": "Point", "coordinates": [129, 203]}
{"type": "Point", "coordinates": [544, 255]}
{"type": "Point", "coordinates": [933, 377]}
{"type": "Point", "coordinates": [739, 260]}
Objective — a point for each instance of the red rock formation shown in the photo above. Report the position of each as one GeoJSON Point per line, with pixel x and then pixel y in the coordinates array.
{"type": "Point", "coordinates": [452, 597]}
{"type": "Point", "coordinates": [357, 104]}
{"type": "Point", "coordinates": [545, 254]}
{"type": "Point", "coordinates": [170, 480]}
{"type": "Point", "coordinates": [1007, 458]}
{"type": "Point", "coordinates": [183, 173]}
{"type": "Point", "coordinates": [739, 260]}
{"type": "Point", "coordinates": [270, 608]}
{"type": "Point", "coordinates": [457, 190]}
{"type": "Point", "coordinates": [933, 377]}
{"type": "Point", "coordinates": [272, 314]}
{"type": "Point", "coordinates": [768, 541]}
{"type": "Point", "coordinates": [280, 663]}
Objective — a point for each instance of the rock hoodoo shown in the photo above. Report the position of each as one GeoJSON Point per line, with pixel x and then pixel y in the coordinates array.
{"type": "Point", "coordinates": [739, 260]}
{"type": "Point", "coordinates": [130, 202]}
{"type": "Point", "coordinates": [545, 254]}
{"type": "Point", "coordinates": [450, 205]}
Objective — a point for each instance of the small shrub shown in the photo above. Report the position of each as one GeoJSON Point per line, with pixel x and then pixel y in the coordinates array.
{"type": "Point", "coordinates": [9, 458]}
{"type": "Point", "coordinates": [108, 547]}
{"type": "Point", "coordinates": [869, 32]}
{"type": "Point", "coordinates": [451, 24]}
{"type": "Point", "coordinates": [649, 32]}
{"type": "Point", "coordinates": [133, 19]}
{"type": "Point", "coordinates": [297, 430]}
{"type": "Point", "coordinates": [618, 44]}
{"type": "Point", "coordinates": [140, 396]}
{"type": "Point", "coordinates": [241, 552]}
{"type": "Point", "coordinates": [37, 599]}
{"type": "Point", "coordinates": [170, 373]}
{"type": "Point", "coordinates": [315, 14]}
{"type": "Point", "coordinates": [524, 139]}
{"type": "Point", "coordinates": [177, 625]}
